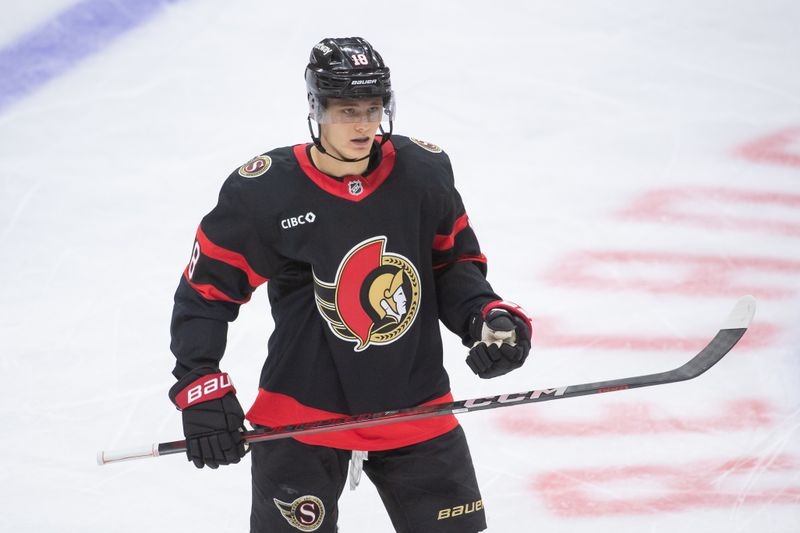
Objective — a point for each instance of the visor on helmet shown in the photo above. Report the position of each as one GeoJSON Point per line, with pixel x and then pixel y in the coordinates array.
{"type": "Point", "coordinates": [351, 110]}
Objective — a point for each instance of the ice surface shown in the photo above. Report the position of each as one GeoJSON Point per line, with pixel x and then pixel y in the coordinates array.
{"type": "Point", "coordinates": [570, 127]}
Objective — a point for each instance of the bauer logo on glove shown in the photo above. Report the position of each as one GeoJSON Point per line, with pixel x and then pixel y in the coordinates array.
{"type": "Point", "coordinates": [213, 419]}
{"type": "Point", "coordinates": [501, 339]}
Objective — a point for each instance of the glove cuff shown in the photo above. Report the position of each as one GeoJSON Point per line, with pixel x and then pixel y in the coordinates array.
{"type": "Point", "coordinates": [200, 385]}
{"type": "Point", "coordinates": [512, 308]}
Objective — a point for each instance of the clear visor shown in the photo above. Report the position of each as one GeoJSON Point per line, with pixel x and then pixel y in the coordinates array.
{"type": "Point", "coordinates": [348, 111]}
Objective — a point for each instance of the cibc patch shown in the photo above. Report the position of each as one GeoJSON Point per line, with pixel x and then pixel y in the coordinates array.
{"type": "Point", "coordinates": [426, 145]}
{"type": "Point", "coordinates": [305, 513]}
{"type": "Point", "coordinates": [255, 167]}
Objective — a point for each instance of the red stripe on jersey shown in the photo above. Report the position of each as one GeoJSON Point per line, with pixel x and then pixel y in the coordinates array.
{"type": "Point", "coordinates": [478, 258]}
{"type": "Point", "coordinates": [445, 242]}
{"type": "Point", "coordinates": [369, 183]}
{"type": "Point", "coordinates": [273, 409]}
{"type": "Point", "coordinates": [210, 292]}
{"type": "Point", "coordinates": [209, 249]}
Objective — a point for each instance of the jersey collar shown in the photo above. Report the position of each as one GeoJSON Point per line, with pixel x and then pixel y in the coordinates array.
{"type": "Point", "coordinates": [353, 188]}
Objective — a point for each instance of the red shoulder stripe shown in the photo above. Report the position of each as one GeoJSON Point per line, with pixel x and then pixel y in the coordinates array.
{"type": "Point", "coordinates": [445, 242]}
{"type": "Point", "coordinates": [209, 249]}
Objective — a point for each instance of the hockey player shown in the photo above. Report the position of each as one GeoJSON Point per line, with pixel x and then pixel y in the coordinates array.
{"type": "Point", "coordinates": [366, 246]}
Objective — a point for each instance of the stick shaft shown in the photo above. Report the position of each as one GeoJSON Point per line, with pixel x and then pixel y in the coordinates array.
{"type": "Point", "coordinates": [734, 328]}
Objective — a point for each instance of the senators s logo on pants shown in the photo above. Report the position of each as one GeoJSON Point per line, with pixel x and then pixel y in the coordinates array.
{"type": "Point", "coordinates": [305, 513]}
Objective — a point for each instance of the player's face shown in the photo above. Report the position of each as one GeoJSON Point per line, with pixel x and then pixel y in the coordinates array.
{"type": "Point", "coordinates": [400, 300]}
{"type": "Point", "coordinates": [350, 125]}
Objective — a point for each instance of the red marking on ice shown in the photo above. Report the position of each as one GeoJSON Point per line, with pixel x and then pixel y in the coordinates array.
{"type": "Point", "coordinates": [547, 333]}
{"type": "Point", "coordinates": [782, 147]}
{"type": "Point", "coordinates": [672, 273]}
{"type": "Point", "coordinates": [592, 492]}
{"type": "Point", "coordinates": [638, 419]}
{"type": "Point", "coordinates": [671, 206]}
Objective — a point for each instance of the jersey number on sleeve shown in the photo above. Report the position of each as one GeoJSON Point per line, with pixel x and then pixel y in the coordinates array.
{"type": "Point", "coordinates": [195, 257]}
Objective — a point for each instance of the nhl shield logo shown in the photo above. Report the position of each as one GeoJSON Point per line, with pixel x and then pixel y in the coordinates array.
{"type": "Point", "coordinates": [355, 187]}
{"type": "Point", "coordinates": [305, 513]}
{"type": "Point", "coordinates": [374, 298]}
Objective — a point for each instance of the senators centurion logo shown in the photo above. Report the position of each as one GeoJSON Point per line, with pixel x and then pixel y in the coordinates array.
{"type": "Point", "coordinates": [374, 298]}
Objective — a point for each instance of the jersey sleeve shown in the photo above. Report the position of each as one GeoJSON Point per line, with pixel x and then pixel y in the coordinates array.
{"type": "Point", "coordinates": [459, 267]}
{"type": "Point", "coordinates": [229, 260]}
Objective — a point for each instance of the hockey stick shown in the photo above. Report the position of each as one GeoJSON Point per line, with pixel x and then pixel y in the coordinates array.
{"type": "Point", "coordinates": [732, 330]}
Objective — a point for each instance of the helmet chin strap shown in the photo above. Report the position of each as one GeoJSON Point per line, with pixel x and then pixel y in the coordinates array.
{"type": "Point", "coordinates": [318, 142]}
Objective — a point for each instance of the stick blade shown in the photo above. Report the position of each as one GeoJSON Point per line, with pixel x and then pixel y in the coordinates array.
{"type": "Point", "coordinates": [732, 330]}
{"type": "Point", "coordinates": [742, 314]}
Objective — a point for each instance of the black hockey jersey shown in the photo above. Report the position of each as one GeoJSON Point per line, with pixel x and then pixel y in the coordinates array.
{"type": "Point", "coordinates": [360, 270]}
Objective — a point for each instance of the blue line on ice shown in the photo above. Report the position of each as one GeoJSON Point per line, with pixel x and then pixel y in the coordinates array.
{"type": "Point", "coordinates": [59, 44]}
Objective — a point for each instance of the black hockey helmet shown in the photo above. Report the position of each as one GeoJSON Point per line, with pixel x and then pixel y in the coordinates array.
{"type": "Point", "coordinates": [347, 67]}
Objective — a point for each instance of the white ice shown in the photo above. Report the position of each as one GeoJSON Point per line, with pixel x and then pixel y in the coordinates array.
{"type": "Point", "coordinates": [558, 116]}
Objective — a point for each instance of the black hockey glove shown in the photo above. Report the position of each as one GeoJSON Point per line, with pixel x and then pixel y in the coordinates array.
{"type": "Point", "coordinates": [501, 334]}
{"type": "Point", "coordinates": [212, 417]}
